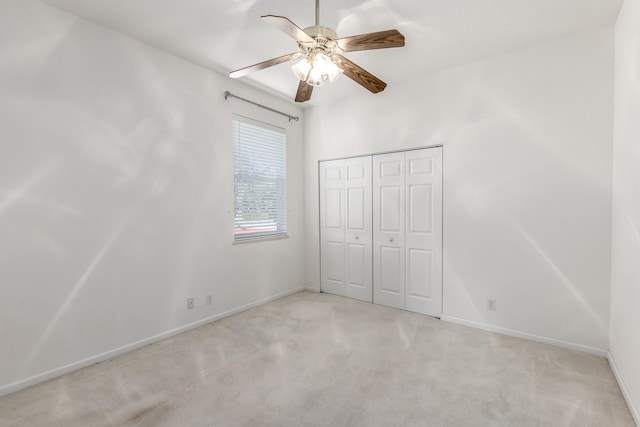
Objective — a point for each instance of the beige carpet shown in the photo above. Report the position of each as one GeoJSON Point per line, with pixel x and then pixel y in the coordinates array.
{"type": "Point", "coordinates": [321, 360]}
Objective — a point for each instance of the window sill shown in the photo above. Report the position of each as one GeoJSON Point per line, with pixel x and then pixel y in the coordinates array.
{"type": "Point", "coordinates": [260, 239]}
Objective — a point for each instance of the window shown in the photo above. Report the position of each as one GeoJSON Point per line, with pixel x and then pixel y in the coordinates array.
{"type": "Point", "coordinates": [259, 178]}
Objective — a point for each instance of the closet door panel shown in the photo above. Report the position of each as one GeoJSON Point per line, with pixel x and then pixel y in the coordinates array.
{"type": "Point", "coordinates": [391, 209]}
{"type": "Point", "coordinates": [358, 264]}
{"type": "Point", "coordinates": [333, 209]}
{"type": "Point", "coordinates": [388, 232]}
{"type": "Point", "coordinates": [334, 264]}
{"type": "Point", "coordinates": [423, 244]}
{"type": "Point", "coordinates": [346, 228]}
{"type": "Point", "coordinates": [419, 266]}
{"type": "Point", "coordinates": [420, 209]}
{"type": "Point", "coordinates": [356, 205]}
{"type": "Point", "coordinates": [358, 233]}
{"type": "Point", "coordinates": [390, 269]}
{"type": "Point", "coordinates": [332, 227]}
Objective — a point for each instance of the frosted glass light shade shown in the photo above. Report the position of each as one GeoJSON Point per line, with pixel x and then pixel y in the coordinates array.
{"type": "Point", "coordinates": [334, 72]}
{"type": "Point", "coordinates": [301, 69]}
{"type": "Point", "coordinates": [316, 78]}
{"type": "Point", "coordinates": [316, 68]}
{"type": "Point", "coordinates": [321, 62]}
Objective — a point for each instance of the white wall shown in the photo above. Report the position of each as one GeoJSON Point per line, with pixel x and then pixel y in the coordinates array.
{"type": "Point", "coordinates": [527, 181]}
{"type": "Point", "coordinates": [116, 194]}
{"type": "Point", "coordinates": [625, 266]}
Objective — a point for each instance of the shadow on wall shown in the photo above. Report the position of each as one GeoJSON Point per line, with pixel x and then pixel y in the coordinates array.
{"type": "Point", "coordinates": [512, 196]}
{"type": "Point", "coordinates": [111, 160]}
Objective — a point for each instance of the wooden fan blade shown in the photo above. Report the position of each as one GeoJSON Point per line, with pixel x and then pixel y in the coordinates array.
{"type": "Point", "coordinates": [304, 92]}
{"type": "Point", "coordinates": [378, 40]}
{"type": "Point", "coordinates": [288, 27]}
{"type": "Point", "coordinates": [361, 76]}
{"type": "Point", "coordinates": [260, 66]}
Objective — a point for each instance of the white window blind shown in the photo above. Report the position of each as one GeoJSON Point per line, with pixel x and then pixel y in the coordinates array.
{"type": "Point", "coordinates": [259, 176]}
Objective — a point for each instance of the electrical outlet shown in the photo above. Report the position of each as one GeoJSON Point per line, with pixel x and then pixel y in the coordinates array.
{"type": "Point", "coordinates": [491, 304]}
{"type": "Point", "coordinates": [209, 299]}
{"type": "Point", "coordinates": [191, 303]}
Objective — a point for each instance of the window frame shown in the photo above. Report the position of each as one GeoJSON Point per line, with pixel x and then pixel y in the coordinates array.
{"type": "Point", "coordinates": [279, 183]}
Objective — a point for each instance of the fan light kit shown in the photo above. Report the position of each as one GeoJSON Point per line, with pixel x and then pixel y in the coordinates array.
{"type": "Point", "coordinates": [320, 57]}
{"type": "Point", "coordinates": [318, 60]}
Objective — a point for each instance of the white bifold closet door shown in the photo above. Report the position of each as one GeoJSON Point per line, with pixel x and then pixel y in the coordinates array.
{"type": "Point", "coordinates": [407, 230]}
{"type": "Point", "coordinates": [346, 228]}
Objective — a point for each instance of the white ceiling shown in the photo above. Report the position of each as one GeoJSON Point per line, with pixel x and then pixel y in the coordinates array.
{"type": "Point", "coordinates": [227, 35]}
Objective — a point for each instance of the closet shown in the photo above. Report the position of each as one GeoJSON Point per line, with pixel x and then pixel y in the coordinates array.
{"type": "Point", "coordinates": [381, 229]}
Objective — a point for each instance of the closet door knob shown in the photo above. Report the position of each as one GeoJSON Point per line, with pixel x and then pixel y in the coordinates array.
{"type": "Point", "coordinates": [357, 237]}
{"type": "Point", "coordinates": [391, 239]}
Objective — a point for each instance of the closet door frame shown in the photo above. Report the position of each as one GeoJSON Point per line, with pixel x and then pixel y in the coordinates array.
{"type": "Point", "coordinates": [438, 223]}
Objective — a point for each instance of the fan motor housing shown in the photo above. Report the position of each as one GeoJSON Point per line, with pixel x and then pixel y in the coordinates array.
{"type": "Point", "coordinates": [321, 31]}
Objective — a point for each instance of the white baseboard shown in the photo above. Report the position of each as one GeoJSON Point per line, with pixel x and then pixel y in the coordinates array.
{"type": "Point", "coordinates": [312, 289]}
{"type": "Point", "coordinates": [517, 334]}
{"type": "Point", "coordinates": [623, 388]}
{"type": "Point", "coordinates": [18, 385]}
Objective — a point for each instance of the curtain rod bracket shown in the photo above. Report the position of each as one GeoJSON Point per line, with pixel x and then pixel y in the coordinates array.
{"type": "Point", "coordinates": [228, 94]}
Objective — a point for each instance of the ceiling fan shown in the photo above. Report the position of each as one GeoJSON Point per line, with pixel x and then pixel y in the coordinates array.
{"type": "Point", "coordinates": [319, 52]}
